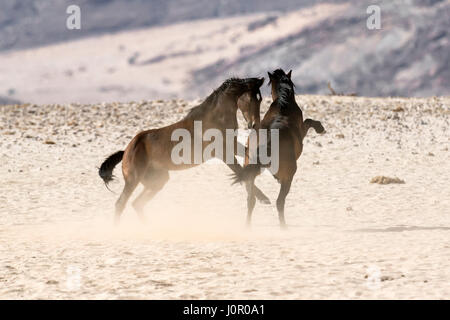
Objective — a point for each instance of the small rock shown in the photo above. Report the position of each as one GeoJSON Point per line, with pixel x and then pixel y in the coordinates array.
{"type": "Point", "coordinates": [386, 180]}
{"type": "Point", "coordinates": [386, 278]}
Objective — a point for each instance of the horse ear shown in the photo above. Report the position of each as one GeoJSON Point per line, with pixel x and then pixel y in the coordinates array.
{"type": "Point", "coordinates": [289, 74]}
{"type": "Point", "coordinates": [270, 75]}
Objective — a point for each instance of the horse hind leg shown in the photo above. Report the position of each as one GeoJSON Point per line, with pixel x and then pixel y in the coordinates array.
{"type": "Point", "coordinates": [284, 190]}
{"type": "Point", "coordinates": [128, 189]}
{"type": "Point", "coordinates": [153, 182]}
{"type": "Point", "coordinates": [251, 200]}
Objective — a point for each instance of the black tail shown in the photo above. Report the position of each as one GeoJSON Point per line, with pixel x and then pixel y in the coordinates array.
{"type": "Point", "coordinates": [108, 165]}
{"type": "Point", "coordinates": [249, 172]}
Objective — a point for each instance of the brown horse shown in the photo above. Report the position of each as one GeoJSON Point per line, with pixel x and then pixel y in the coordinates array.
{"type": "Point", "coordinates": [148, 157]}
{"type": "Point", "coordinates": [286, 116]}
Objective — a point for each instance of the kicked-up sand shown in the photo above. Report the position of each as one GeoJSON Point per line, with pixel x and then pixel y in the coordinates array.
{"type": "Point", "coordinates": [346, 237]}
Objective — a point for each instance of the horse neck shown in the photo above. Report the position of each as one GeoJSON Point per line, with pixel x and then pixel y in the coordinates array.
{"type": "Point", "coordinates": [223, 114]}
{"type": "Point", "coordinates": [289, 108]}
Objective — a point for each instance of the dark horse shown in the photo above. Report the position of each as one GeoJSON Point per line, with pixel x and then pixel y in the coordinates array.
{"type": "Point", "coordinates": [285, 115]}
{"type": "Point", "coordinates": [147, 158]}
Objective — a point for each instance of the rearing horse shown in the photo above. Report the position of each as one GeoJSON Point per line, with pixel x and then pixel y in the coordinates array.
{"type": "Point", "coordinates": [286, 116]}
{"type": "Point", "coordinates": [147, 158]}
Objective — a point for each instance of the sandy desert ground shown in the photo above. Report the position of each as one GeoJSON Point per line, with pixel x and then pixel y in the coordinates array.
{"type": "Point", "coordinates": [347, 238]}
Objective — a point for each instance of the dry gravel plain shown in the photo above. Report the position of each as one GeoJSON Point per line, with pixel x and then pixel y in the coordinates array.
{"type": "Point", "coordinates": [346, 237]}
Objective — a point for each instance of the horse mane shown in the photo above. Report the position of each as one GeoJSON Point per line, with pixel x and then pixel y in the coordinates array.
{"type": "Point", "coordinates": [285, 88]}
{"type": "Point", "coordinates": [231, 87]}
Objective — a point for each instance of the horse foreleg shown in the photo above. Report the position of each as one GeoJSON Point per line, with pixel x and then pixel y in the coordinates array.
{"type": "Point", "coordinates": [236, 168]}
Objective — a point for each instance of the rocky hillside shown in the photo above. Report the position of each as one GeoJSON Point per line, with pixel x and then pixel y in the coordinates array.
{"type": "Point", "coordinates": [409, 56]}
{"type": "Point", "coordinates": [32, 23]}
{"type": "Point", "coordinates": [133, 50]}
